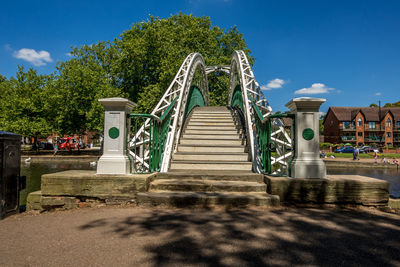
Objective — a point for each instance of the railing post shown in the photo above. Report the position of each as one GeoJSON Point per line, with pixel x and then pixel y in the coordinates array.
{"type": "Point", "coordinates": [115, 160]}
{"type": "Point", "coordinates": [306, 162]}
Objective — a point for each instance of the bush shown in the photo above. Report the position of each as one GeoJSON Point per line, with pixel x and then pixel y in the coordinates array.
{"type": "Point", "coordinates": [325, 145]}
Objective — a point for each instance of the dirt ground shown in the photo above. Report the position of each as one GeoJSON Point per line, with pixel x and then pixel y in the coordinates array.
{"type": "Point", "coordinates": [132, 236]}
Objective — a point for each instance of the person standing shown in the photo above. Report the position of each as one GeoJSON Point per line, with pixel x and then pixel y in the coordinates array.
{"type": "Point", "coordinates": [357, 151]}
{"type": "Point", "coordinates": [55, 148]}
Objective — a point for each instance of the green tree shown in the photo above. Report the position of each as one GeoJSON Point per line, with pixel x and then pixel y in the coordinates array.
{"type": "Point", "coordinates": [143, 61]}
{"type": "Point", "coordinates": [23, 104]}
{"type": "Point", "coordinates": [80, 83]}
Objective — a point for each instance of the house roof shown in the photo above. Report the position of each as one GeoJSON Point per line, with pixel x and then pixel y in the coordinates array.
{"type": "Point", "coordinates": [370, 113]}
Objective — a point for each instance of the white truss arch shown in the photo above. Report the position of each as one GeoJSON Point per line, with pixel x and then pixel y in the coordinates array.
{"type": "Point", "coordinates": [179, 87]}
{"type": "Point", "coordinates": [241, 74]}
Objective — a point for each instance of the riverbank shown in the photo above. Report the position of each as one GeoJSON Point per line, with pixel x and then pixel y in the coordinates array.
{"type": "Point", "coordinates": [59, 158]}
{"type": "Point", "coordinates": [134, 236]}
{"type": "Point", "coordinates": [361, 163]}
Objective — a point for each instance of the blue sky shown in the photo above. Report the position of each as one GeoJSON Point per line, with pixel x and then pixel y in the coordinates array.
{"type": "Point", "coordinates": [345, 51]}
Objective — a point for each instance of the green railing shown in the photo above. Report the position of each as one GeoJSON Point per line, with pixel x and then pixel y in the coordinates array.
{"type": "Point", "coordinates": [154, 144]}
{"type": "Point", "coordinates": [265, 144]}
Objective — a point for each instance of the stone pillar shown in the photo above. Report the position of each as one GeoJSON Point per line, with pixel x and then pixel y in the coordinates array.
{"type": "Point", "coordinates": [115, 159]}
{"type": "Point", "coordinates": [306, 162]}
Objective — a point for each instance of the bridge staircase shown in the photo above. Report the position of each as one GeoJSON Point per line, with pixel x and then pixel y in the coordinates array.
{"type": "Point", "coordinates": [210, 167]}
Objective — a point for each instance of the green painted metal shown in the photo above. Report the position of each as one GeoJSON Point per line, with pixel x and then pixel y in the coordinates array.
{"type": "Point", "coordinates": [308, 134]}
{"type": "Point", "coordinates": [263, 132]}
{"type": "Point", "coordinates": [158, 133]}
{"type": "Point", "coordinates": [113, 132]}
{"type": "Point", "coordinates": [237, 98]}
{"type": "Point", "coordinates": [195, 99]}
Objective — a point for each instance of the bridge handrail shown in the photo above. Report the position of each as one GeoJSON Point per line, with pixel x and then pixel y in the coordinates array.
{"type": "Point", "coordinates": [263, 134]}
{"type": "Point", "coordinates": [158, 133]}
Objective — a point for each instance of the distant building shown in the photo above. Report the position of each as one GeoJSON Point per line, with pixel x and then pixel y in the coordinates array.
{"type": "Point", "coordinates": [363, 125]}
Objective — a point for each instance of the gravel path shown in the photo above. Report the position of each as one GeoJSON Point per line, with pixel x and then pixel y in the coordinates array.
{"type": "Point", "coordinates": [131, 236]}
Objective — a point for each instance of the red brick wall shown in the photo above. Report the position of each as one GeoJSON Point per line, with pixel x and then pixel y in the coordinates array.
{"type": "Point", "coordinates": [331, 128]}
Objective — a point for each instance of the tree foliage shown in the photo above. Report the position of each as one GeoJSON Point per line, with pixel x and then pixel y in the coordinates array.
{"type": "Point", "coordinates": [139, 64]}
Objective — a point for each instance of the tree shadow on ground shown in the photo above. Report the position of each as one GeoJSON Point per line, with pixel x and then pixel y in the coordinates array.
{"type": "Point", "coordinates": [263, 237]}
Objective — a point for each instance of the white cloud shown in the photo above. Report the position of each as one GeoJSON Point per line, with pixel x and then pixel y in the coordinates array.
{"type": "Point", "coordinates": [68, 54]}
{"type": "Point", "coordinates": [273, 84]}
{"type": "Point", "coordinates": [316, 88]}
{"type": "Point", "coordinates": [31, 55]}
{"type": "Point", "coordinates": [378, 94]}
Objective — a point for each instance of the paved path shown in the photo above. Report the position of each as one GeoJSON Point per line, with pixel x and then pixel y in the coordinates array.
{"type": "Point", "coordinates": [131, 236]}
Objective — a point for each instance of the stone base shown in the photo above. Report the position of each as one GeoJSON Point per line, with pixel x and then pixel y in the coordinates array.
{"type": "Point", "coordinates": [308, 169]}
{"type": "Point", "coordinates": [335, 189]}
{"type": "Point", "coordinates": [394, 203]}
{"type": "Point", "coordinates": [33, 201]}
{"type": "Point", "coordinates": [113, 165]}
{"type": "Point", "coordinates": [89, 184]}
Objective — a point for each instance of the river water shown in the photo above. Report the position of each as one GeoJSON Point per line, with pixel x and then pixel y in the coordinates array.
{"type": "Point", "coordinates": [34, 171]}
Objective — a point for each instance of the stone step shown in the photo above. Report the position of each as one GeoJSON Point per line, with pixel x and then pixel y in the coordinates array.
{"type": "Point", "coordinates": [201, 131]}
{"type": "Point", "coordinates": [211, 136]}
{"type": "Point", "coordinates": [211, 116]}
{"type": "Point", "coordinates": [222, 156]}
{"type": "Point", "coordinates": [203, 119]}
{"type": "Point", "coordinates": [210, 165]}
{"type": "Point", "coordinates": [199, 141]}
{"type": "Point", "coordinates": [204, 199]}
{"type": "Point", "coordinates": [208, 148]}
{"type": "Point", "coordinates": [197, 185]}
{"type": "Point", "coordinates": [212, 108]}
{"type": "Point", "coordinates": [208, 123]}
{"type": "Point", "coordinates": [211, 175]}
{"type": "Point", "coordinates": [211, 127]}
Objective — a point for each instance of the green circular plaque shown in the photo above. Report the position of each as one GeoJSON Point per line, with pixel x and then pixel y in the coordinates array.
{"type": "Point", "coordinates": [113, 132]}
{"type": "Point", "coordinates": [308, 134]}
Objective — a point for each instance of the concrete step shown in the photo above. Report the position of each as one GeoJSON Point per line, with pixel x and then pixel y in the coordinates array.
{"type": "Point", "coordinates": [199, 141]}
{"type": "Point", "coordinates": [211, 136]}
{"type": "Point", "coordinates": [210, 165]}
{"type": "Point", "coordinates": [197, 185]}
{"type": "Point", "coordinates": [211, 127]}
{"type": "Point", "coordinates": [208, 123]}
{"type": "Point", "coordinates": [212, 108]}
{"type": "Point", "coordinates": [211, 116]}
{"type": "Point", "coordinates": [211, 156]}
{"type": "Point", "coordinates": [209, 148]}
{"type": "Point", "coordinates": [204, 199]}
{"type": "Point", "coordinates": [219, 175]}
{"type": "Point", "coordinates": [205, 119]}
{"type": "Point", "coordinates": [200, 131]}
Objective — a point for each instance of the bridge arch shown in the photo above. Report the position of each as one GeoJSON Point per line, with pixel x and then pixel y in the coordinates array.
{"type": "Point", "coordinates": [188, 89]}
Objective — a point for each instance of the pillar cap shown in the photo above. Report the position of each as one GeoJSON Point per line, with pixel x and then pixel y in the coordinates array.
{"type": "Point", "coordinates": [309, 103]}
{"type": "Point", "coordinates": [117, 102]}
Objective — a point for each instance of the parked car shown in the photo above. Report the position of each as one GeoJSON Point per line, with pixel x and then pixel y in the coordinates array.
{"type": "Point", "coordinates": [369, 149]}
{"type": "Point", "coordinates": [67, 143]}
{"type": "Point", "coordinates": [346, 149]}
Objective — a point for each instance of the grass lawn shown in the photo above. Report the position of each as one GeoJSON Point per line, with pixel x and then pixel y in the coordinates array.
{"type": "Point", "coordinates": [363, 156]}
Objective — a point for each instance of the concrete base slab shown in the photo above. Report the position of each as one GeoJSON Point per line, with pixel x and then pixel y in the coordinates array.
{"type": "Point", "coordinates": [63, 202]}
{"type": "Point", "coordinates": [346, 189]}
{"type": "Point", "coordinates": [89, 184]}
{"type": "Point", "coordinates": [33, 201]}
{"type": "Point", "coordinates": [206, 199]}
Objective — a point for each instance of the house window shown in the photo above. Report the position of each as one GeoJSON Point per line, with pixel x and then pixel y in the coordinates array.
{"type": "Point", "coordinates": [388, 122]}
{"type": "Point", "coordinates": [388, 134]}
{"type": "Point", "coordinates": [360, 134]}
{"type": "Point", "coordinates": [397, 124]}
{"type": "Point", "coordinates": [372, 125]}
{"type": "Point", "coordinates": [346, 124]}
{"type": "Point", "coordinates": [359, 122]}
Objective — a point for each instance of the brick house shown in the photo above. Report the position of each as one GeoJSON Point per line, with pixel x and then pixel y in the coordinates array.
{"type": "Point", "coordinates": [363, 126]}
